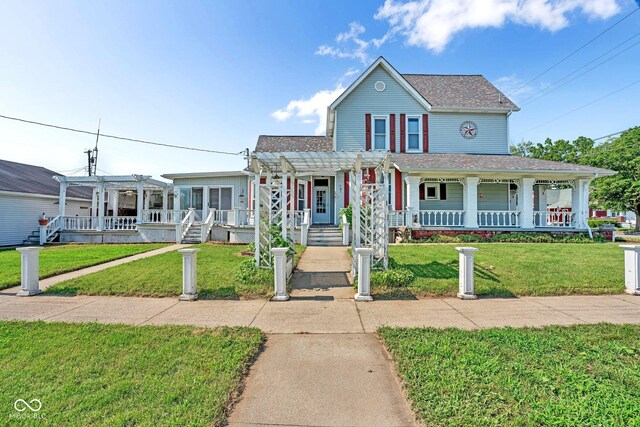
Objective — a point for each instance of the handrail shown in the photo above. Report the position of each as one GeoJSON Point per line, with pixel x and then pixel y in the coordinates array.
{"type": "Point", "coordinates": [183, 227]}
{"type": "Point", "coordinates": [208, 224]}
{"type": "Point", "coordinates": [50, 229]}
{"type": "Point", "coordinates": [345, 230]}
{"type": "Point", "coordinates": [75, 223]}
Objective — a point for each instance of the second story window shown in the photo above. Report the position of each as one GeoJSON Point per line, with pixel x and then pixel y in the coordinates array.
{"type": "Point", "coordinates": [379, 133]}
{"type": "Point", "coordinates": [413, 134]}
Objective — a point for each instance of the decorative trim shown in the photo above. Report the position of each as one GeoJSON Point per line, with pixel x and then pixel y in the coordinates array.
{"type": "Point", "coordinates": [558, 183]}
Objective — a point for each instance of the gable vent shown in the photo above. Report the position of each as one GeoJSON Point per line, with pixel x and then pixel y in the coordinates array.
{"type": "Point", "coordinates": [380, 86]}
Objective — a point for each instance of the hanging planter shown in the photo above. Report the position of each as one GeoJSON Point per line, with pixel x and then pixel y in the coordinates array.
{"type": "Point", "coordinates": [43, 220]}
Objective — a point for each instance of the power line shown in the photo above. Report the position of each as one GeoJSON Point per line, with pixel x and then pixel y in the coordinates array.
{"type": "Point", "coordinates": [551, 88]}
{"type": "Point", "coordinates": [122, 138]}
{"type": "Point", "coordinates": [610, 135]}
{"type": "Point", "coordinates": [574, 52]}
{"type": "Point", "coordinates": [583, 106]}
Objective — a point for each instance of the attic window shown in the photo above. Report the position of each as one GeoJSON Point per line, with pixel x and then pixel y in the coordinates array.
{"type": "Point", "coordinates": [379, 86]}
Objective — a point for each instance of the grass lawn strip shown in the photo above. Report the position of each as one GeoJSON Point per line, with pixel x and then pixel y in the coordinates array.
{"type": "Point", "coordinates": [507, 269]}
{"type": "Point", "coordinates": [92, 374]}
{"type": "Point", "coordinates": [161, 276]}
{"type": "Point", "coordinates": [583, 375]}
{"type": "Point", "coordinates": [56, 260]}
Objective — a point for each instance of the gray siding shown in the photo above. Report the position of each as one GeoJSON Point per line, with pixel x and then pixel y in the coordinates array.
{"type": "Point", "coordinates": [350, 124]}
{"type": "Point", "coordinates": [454, 199]}
{"type": "Point", "coordinates": [239, 184]}
{"type": "Point", "coordinates": [495, 197]}
{"type": "Point", "coordinates": [444, 133]}
{"type": "Point", "coordinates": [19, 214]}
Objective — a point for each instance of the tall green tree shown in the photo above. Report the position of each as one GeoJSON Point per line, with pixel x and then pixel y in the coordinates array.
{"type": "Point", "coordinates": [621, 191]}
{"type": "Point", "coordinates": [558, 151]}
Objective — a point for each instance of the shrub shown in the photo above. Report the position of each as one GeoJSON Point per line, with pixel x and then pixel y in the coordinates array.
{"type": "Point", "coordinates": [348, 212]}
{"type": "Point", "coordinates": [596, 223]}
{"type": "Point", "coordinates": [247, 274]}
{"type": "Point", "coordinates": [442, 238]}
{"type": "Point", "coordinates": [392, 278]}
{"type": "Point", "coordinates": [471, 238]}
{"type": "Point", "coordinates": [522, 238]}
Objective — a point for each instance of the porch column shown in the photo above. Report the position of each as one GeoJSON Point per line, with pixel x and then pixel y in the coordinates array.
{"type": "Point", "coordinates": [525, 202]}
{"type": "Point", "coordinates": [413, 201]}
{"type": "Point", "coordinates": [470, 201]}
{"type": "Point", "coordinates": [165, 203]}
{"type": "Point", "coordinates": [580, 203]}
{"type": "Point", "coordinates": [62, 199]}
{"type": "Point", "coordinates": [205, 203]}
{"type": "Point", "coordinates": [147, 199]}
{"type": "Point", "coordinates": [176, 205]}
{"type": "Point", "coordinates": [94, 202]}
{"type": "Point", "coordinates": [140, 202]}
{"type": "Point", "coordinates": [116, 199]}
{"type": "Point", "coordinates": [100, 206]}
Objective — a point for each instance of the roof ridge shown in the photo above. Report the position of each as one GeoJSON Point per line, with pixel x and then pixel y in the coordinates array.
{"type": "Point", "coordinates": [299, 136]}
{"type": "Point", "coordinates": [443, 75]}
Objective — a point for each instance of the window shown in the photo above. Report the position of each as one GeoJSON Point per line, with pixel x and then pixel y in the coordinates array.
{"type": "Point", "coordinates": [432, 192]}
{"type": "Point", "coordinates": [413, 133]}
{"type": "Point", "coordinates": [429, 192]}
{"type": "Point", "coordinates": [379, 133]}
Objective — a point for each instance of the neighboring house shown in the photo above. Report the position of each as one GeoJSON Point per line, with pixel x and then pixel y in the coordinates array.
{"type": "Point", "coordinates": [437, 144]}
{"type": "Point", "coordinates": [26, 192]}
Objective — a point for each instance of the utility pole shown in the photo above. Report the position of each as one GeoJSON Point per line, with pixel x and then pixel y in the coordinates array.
{"type": "Point", "coordinates": [92, 155]}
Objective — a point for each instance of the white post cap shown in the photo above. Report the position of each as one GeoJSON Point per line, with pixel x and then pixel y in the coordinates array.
{"type": "Point", "coordinates": [364, 251]}
{"type": "Point", "coordinates": [189, 251]}
{"type": "Point", "coordinates": [30, 249]}
{"type": "Point", "coordinates": [278, 251]}
{"type": "Point", "coordinates": [466, 250]}
{"type": "Point", "coordinates": [630, 247]}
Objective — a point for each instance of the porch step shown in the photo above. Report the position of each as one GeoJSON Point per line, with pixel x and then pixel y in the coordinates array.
{"type": "Point", "coordinates": [325, 236]}
{"type": "Point", "coordinates": [193, 234]}
{"type": "Point", "coordinates": [33, 239]}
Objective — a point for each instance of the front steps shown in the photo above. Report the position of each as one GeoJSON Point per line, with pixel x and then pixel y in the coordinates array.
{"type": "Point", "coordinates": [324, 236]}
{"type": "Point", "coordinates": [193, 235]}
{"type": "Point", "coordinates": [34, 238]}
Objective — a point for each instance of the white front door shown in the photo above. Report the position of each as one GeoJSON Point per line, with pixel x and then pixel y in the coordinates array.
{"type": "Point", "coordinates": [321, 206]}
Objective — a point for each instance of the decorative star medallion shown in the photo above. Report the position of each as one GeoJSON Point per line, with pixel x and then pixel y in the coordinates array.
{"type": "Point", "coordinates": [468, 129]}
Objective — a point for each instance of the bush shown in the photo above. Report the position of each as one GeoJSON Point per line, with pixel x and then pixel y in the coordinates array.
{"type": "Point", "coordinates": [471, 238]}
{"type": "Point", "coordinates": [522, 238]}
{"type": "Point", "coordinates": [596, 223]}
{"type": "Point", "coordinates": [247, 274]}
{"type": "Point", "coordinates": [515, 238]}
{"type": "Point", "coordinates": [393, 278]}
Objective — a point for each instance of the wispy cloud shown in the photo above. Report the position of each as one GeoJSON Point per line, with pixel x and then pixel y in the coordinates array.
{"type": "Point", "coordinates": [349, 45]}
{"type": "Point", "coordinates": [312, 110]}
{"type": "Point", "coordinates": [432, 24]}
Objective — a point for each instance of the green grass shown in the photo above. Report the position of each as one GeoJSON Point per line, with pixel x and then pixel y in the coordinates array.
{"type": "Point", "coordinates": [161, 276]}
{"type": "Point", "coordinates": [584, 375]}
{"type": "Point", "coordinates": [506, 269]}
{"type": "Point", "coordinates": [56, 260]}
{"type": "Point", "coordinates": [91, 374]}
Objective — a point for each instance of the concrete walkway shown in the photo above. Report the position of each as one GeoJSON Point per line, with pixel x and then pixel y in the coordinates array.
{"type": "Point", "coordinates": [323, 273]}
{"type": "Point", "coordinates": [45, 283]}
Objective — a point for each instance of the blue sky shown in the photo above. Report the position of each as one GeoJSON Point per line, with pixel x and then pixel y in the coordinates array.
{"type": "Point", "coordinates": [217, 74]}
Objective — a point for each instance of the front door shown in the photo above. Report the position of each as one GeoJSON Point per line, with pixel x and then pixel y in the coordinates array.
{"type": "Point", "coordinates": [321, 207]}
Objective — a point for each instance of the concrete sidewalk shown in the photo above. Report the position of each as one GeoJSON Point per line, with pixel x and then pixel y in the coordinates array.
{"type": "Point", "coordinates": [339, 316]}
{"type": "Point", "coordinates": [323, 273]}
{"type": "Point", "coordinates": [45, 283]}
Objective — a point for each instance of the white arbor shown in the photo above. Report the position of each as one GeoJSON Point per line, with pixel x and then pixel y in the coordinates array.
{"type": "Point", "coordinates": [274, 174]}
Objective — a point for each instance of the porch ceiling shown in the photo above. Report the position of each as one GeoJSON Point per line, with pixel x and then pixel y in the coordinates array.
{"type": "Point", "coordinates": [307, 163]}
{"type": "Point", "coordinates": [114, 181]}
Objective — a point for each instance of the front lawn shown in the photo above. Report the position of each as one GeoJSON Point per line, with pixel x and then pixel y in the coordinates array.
{"type": "Point", "coordinates": [506, 269]}
{"type": "Point", "coordinates": [56, 260]}
{"type": "Point", "coordinates": [584, 375]}
{"type": "Point", "coordinates": [161, 276]}
{"type": "Point", "coordinates": [92, 374]}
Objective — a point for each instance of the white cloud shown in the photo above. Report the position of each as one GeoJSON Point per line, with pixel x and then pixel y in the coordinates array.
{"type": "Point", "coordinates": [513, 86]}
{"type": "Point", "coordinates": [312, 110]}
{"type": "Point", "coordinates": [352, 46]}
{"type": "Point", "coordinates": [433, 23]}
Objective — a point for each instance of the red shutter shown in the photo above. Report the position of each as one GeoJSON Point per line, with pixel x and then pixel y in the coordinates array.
{"type": "Point", "coordinates": [403, 134]}
{"type": "Point", "coordinates": [398, 185]}
{"type": "Point", "coordinates": [425, 133]}
{"type": "Point", "coordinates": [421, 191]}
{"type": "Point", "coordinates": [295, 194]}
{"type": "Point", "coordinates": [346, 189]}
{"type": "Point", "coordinates": [392, 132]}
{"type": "Point", "coordinates": [309, 194]}
{"type": "Point", "coordinates": [367, 131]}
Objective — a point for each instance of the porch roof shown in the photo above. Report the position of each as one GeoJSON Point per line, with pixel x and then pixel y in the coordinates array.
{"type": "Point", "coordinates": [488, 163]}
{"type": "Point", "coordinates": [114, 181]}
{"type": "Point", "coordinates": [317, 162]}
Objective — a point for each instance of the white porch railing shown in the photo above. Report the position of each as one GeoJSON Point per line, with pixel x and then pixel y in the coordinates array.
{"type": "Point", "coordinates": [396, 218]}
{"type": "Point", "coordinates": [442, 218]}
{"type": "Point", "coordinates": [554, 219]}
{"type": "Point", "coordinates": [74, 223]}
{"type": "Point", "coordinates": [119, 223]}
{"type": "Point", "coordinates": [498, 218]}
{"type": "Point", "coordinates": [183, 226]}
{"type": "Point", "coordinates": [154, 216]}
{"type": "Point", "coordinates": [46, 231]}
{"type": "Point", "coordinates": [208, 224]}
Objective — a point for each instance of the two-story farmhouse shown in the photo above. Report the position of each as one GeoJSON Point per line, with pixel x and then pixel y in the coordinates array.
{"type": "Point", "coordinates": [438, 144]}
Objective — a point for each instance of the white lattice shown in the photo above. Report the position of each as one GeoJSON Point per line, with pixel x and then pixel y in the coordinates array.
{"type": "Point", "coordinates": [275, 217]}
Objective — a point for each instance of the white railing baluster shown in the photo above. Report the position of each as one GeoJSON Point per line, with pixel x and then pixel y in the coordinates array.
{"type": "Point", "coordinates": [441, 218]}
{"type": "Point", "coordinates": [499, 218]}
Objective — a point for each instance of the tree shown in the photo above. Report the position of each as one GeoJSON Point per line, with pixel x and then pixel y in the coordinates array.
{"type": "Point", "coordinates": [558, 151]}
{"type": "Point", "coordinates": [621, 191]}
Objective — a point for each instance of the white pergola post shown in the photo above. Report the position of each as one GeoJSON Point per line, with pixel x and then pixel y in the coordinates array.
{"type": "Point", "coordinates": [189, 274]}
{"type": "Point", "coordinates": [62, 199]}
{"type": "Point", "coordinates": [280, 273]}
{"type": "Point", "coordinates": [465, 276]}
{"type": "Point", "coordinates": [29, 281]}
{"type": "Point", "coordinates": [470, 201]}
{"type": "Point", "coordinates": [364, 274]}
{"type": "Point", "coordinates": [525, 202]}
{"type": "Point", "coordinates": [256, 217]}
{"type": "Point", "coordinates": [631, 269]}
{"type": "Point", "coordinates": [284, 205]}
{"type": "Point", "coordinates": [100, 187]}
{"type": "Point", "coordinates": [140, 201]}
{"type": "Point", "coordinates": [413, 201]}
{"type": "Point", "coordinates": [165, 204]}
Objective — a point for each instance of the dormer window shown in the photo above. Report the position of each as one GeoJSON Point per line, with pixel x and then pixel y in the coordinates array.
{"type": "Point", "coordinates": [414, 142]}
{"type": "Point", "coordinates": [380, 133]}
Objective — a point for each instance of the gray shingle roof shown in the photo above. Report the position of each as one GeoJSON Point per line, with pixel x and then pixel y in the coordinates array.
{"type": "Point", "coordinates": [459, 91]}
{"type": "Point", "coordinates": [487, 162]}
{"type": "Point", "coordinates": [282, 143]}
{"type": "Point", "coordinates": [23, 178]}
